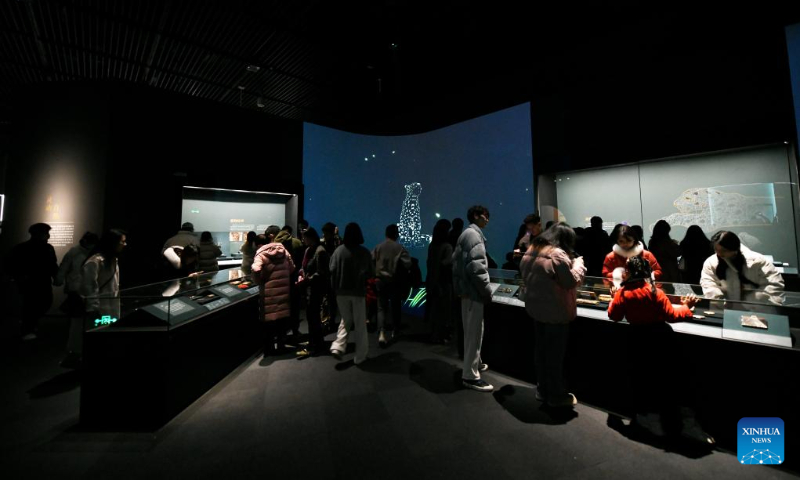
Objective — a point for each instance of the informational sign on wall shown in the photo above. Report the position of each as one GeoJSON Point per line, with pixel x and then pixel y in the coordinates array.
{"type": "Point", "coordinates": [56, 215]}
{"type": "Point", "coordinates": [62, 234]}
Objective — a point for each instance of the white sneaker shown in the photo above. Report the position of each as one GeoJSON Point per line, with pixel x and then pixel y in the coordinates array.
{"type": "Point", "coordinates": [651, 422]}
{"type": "Point", "coordinates": [382, 339]}
{"type": "Point", "coordinates": [479, 385]}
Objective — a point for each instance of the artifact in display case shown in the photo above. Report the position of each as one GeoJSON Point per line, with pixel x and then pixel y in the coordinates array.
{"type": "Point", "coordinates": [172, 303]}
{"type": "Point", "coordinates": [772, 319]}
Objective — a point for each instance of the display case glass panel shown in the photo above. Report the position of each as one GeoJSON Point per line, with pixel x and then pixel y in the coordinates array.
{"type": "Point", "coordinates": [765, 318]}
{"type": "Point", "coordinates": [750, 192]}
{"type": "Point", "coordinates": [229, 214]}
{"type": "Point", "coordinates": [172, 303]}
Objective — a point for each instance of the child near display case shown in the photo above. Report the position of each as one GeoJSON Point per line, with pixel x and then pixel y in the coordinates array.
{"type": "Point", "coordinates": [651, 349]}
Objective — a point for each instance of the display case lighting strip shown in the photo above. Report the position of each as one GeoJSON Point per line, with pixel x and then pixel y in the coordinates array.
{"type": "Point", "coordinates": [242, 191]}
{"type": "Point", "coordinates": [2, 206]}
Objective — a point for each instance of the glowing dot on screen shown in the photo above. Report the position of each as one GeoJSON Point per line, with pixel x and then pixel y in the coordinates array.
{"type": "Point", "coordinates": [366, 159]}
{"type": "Point", "coordinates": [526, 189]}
{"type": "Point", "coordinates": [373, 155]}
{"type": "Point", "coordinates": [438, 216]}
{"type": "Point", "coordinates": [393, 152]}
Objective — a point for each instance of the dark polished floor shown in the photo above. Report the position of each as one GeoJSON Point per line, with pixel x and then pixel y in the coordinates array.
{"type": "Point", "coordinates": [400, 415]}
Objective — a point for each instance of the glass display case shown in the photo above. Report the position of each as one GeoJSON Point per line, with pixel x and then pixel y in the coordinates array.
{"type": "Point", "coordinates": [763, 318]}
{"type": "Point", "coordinates": [153, 350]}
{"type": "Point", "coordinates": [169, 304]}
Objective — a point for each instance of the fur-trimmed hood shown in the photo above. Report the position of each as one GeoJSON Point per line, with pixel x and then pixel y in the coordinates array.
{"type": "Point", "coordinates": [633, 252]}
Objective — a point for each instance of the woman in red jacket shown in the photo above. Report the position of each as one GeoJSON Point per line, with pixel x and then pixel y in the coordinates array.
{"type": "Point", "coordinates": [628, 246]}
{"type": "Point", "coordinates": [652, 351]}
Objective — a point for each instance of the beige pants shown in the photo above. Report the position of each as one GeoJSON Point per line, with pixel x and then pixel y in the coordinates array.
{"type": "Point", "coordinates": [353, 310]}
{"type": "Point", "coordinates": [472, 318]}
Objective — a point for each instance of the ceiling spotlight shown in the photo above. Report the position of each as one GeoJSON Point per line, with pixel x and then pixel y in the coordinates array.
{"type": "Point", "coordinates": [260, 102]}
{"type": "Point", "coordinates": [252, 68]}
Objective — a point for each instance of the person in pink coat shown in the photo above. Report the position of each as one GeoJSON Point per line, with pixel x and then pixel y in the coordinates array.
{"type": "Point", "coordinates": [552, 274]}
{"type": "Point", "coordinates": [272, 269]}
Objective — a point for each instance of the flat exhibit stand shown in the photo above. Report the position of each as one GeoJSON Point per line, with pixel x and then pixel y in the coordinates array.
{"type": "Point", "coordinates": [777, 332]}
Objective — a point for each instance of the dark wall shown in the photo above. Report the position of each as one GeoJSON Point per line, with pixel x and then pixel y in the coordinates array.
{"type": "Point", "coordinates": [136, 148]}
{"type": "Point", "coordinates": [55, 168]}
{"type": "Point", "coordinates": [709, 87]}
{"type": "Point", "coordinates": [160, 142]}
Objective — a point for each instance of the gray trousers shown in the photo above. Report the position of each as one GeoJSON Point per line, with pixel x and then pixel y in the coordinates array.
{"type": "Point", "coordinates": [472, 319]}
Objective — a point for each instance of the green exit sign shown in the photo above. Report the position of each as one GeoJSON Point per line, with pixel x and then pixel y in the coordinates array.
{"type": "Point", "coordinates": [104, 320]}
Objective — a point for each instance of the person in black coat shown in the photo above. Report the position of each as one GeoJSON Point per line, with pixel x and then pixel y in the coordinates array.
{"type": "Point", "coordinates": [594, 247]}
{"type": "Point", "coordinates": [695, 249]}
{"type": "Point", "coordinates": [32, 266]}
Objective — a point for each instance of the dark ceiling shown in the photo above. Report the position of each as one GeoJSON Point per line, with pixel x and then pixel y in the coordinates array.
{"type": "Point", "coordinates": [385, 67]}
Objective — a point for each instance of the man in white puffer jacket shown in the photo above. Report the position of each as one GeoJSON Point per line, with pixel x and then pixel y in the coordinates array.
{"type": "Point", "coordinates": [471, 283]}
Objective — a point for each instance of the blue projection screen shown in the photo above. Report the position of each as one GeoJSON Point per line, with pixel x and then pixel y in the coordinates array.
{"type": "Point", "coordinates": [793, 49]}
{"type": "Point", "coordinates": [377, 180]}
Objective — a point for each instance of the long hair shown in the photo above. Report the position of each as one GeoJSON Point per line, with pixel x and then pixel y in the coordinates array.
{"type": "Point", "coordinates": [560, 235]}
{"type": "Point", "coordinates": [730, 241]}
{"type": "Point", "coordinates": [251, 238]}
{"type": "Point", "coordinates": [638, 232]}
{"type": "Point", "coordinates": [695, 240]}
{"type": "Point", "coordinates": [352, 235]}
{"type": "Point", "coordinates": [440, 231]}
{"type": "Point", "coordinates": [614, 235]}
{"type": "Point", "coordinates": [660, 230]}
